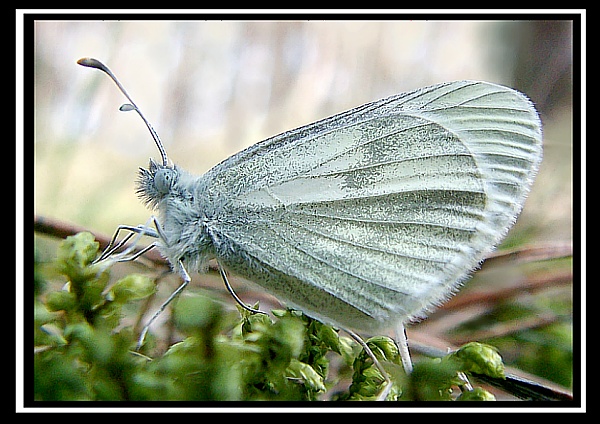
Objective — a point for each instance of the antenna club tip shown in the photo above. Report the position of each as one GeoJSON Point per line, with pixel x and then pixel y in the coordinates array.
{"type": "Point", "coordinates": [90, 62]}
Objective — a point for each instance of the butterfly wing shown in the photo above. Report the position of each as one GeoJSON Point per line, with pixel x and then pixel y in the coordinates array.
{"type": "Point", "coordinates": [367, 218]}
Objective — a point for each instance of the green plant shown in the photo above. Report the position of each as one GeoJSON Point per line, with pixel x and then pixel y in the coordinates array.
{"type": "Point", "coordinates": [84, 351]}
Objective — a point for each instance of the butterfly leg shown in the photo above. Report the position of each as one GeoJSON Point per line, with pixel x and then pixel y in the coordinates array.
{"type": "Point", "coordinates": [235, 296]}
{"type": "Point", "coordinates": [186, 280]}
{"type": "Point", "coordinates": [402, 343]}
{"type": "Point", "coordinates": [125, 256]}
{"type": "Point", "coordinates": [388, 382]}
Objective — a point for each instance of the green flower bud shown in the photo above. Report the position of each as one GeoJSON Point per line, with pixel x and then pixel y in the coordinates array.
{"type": "Point", "coordinates": [75, 254]}
{"type": "Point", "coordinates": [480, 358]}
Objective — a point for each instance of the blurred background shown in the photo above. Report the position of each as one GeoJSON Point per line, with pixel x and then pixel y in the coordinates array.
{"type": "Point", "coordinates": [212, 88]}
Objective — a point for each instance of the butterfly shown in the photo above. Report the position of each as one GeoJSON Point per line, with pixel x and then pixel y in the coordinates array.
{"type": "Point", "coordinates": [364, 220]}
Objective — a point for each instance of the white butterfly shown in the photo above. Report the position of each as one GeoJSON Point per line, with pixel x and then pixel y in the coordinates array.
{"type": "Point", "coordinates": [366, 219]}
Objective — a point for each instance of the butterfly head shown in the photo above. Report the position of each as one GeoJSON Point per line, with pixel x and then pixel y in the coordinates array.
{"type": "Point", "coordinates": [156, 182]}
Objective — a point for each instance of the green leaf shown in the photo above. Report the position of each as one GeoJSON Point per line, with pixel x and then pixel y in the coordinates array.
{"type": "Point", "coordinates": [384, 348]}
{"type": "Point", "coordinates": [306, 374]}
{"type": "Point", "coordinates": [132, 287]}
{"type": "Point", "coordinates": [196, 313]}
{"type": "Point", "coordinates": [367, 381]}
{"type": "Point", "coordinates": [432, 379]}
{"type": "Point", "coordinates": [61, 301]}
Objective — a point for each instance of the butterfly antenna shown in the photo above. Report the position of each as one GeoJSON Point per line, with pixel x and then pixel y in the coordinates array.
{"type": "Point", "coordinates": [94, 63]}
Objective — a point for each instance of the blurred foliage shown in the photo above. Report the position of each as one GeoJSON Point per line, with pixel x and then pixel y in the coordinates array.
{"type": "Point", "coordinates": [84, 352]}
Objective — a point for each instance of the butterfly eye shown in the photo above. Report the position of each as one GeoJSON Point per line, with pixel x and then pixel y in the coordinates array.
{"type": "Point", "coordinates": [164, 180]}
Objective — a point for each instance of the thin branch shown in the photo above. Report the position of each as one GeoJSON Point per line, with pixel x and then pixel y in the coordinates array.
{"type": "Point", "coordinates": [552, 279]}
{"type": "Point", "coordinates": [543, 252]}
{"type": "Point", "coordinates": [507, 328]}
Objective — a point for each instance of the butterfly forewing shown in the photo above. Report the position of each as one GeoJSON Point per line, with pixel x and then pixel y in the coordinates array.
{"type": "Point", "coordinates": [367, 218]}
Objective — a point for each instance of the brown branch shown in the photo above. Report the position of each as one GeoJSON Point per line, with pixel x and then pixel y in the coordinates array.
{"type": "Point", "coordinates": [59, 229]}
{"type": "Point", "coordinates": [543, 252]}
{"type": "Point", "coordinates": [507, 328]}
{"type": "Point", "coordinates": [552, 279]}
